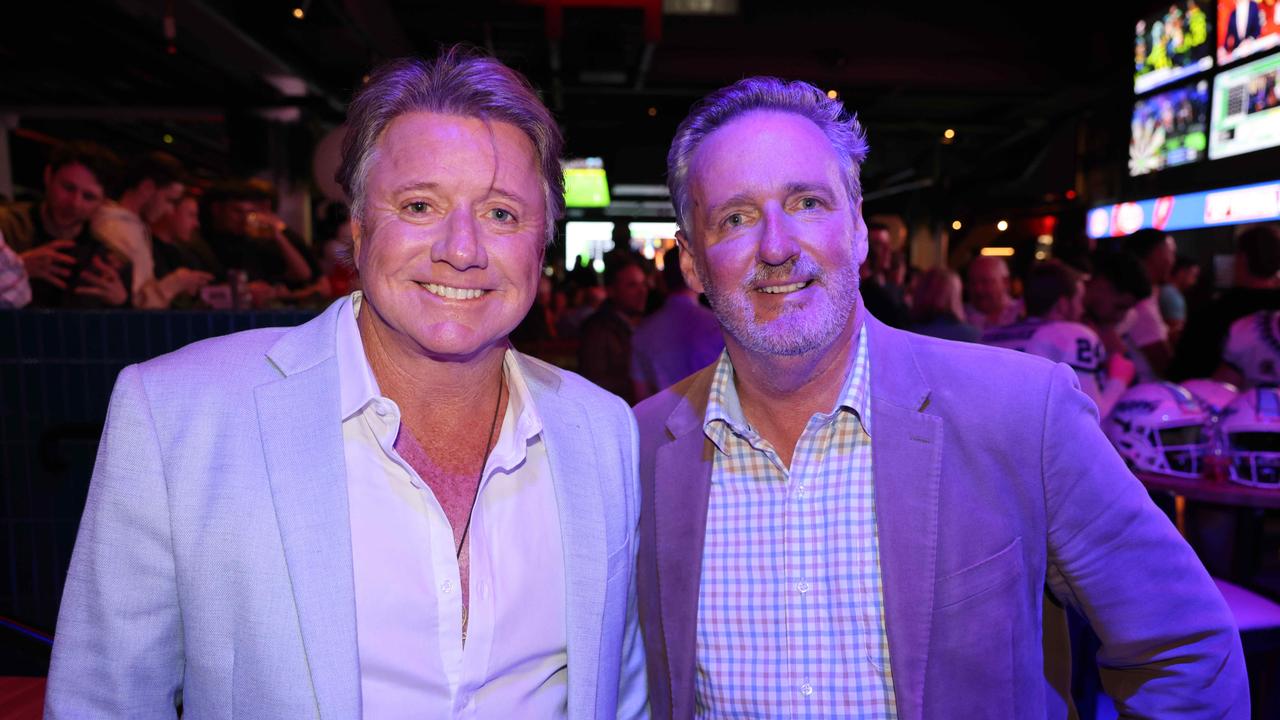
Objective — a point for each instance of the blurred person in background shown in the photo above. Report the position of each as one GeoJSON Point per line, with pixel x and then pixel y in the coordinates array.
{"type": "Point", "coordinates": [15, 286]}
{"type": "Point", "coordinates": [64, 262]}
{"type": "Point", "coordinates": [604, 352]}
{"type": "Point", "coordinates": [679, 339]}
{"type": "Point", "coordinates": [937, 309]}
{"type": "Point", "coordinates": [152, 186]}
{"type": "Point", "coordinates": [885, 299]}
{"type": "Point", "coordinates": [1173, 295]}
{"type": "Point", "coordinates": [1144, 330]}
{"type": "Point", "coordinates": [251, 241]}
{"type": "Point", "coordinates": [1054, 297]}
{"type": "Point", "coordinates": [1257, 287]}
{"type": "Point", "coordinates": [184, 263]}
{"type": "Point", "coordinates": [1117, 283]}
{"type": "Point", "coordinates": [987, 285]}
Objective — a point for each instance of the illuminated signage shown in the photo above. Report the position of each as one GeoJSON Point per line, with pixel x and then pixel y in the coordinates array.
{"type": "Point", "coordinates": [1225, 206]}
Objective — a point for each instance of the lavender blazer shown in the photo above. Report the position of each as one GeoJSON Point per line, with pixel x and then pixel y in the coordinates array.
{"type": "Point", "coordinates": [992, 480]}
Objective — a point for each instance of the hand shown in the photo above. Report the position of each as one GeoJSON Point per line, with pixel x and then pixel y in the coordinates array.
{"type": "Point", "coordinates": [47, 262]}
{"type": "Point", "coordinates": [187, 281]}
{"type": "Point", "coordinates": [1120, 369]}
{"type": "Point", "coordinates": [102, 281]}
{"type": "Point", "coordinates": [263, 293]}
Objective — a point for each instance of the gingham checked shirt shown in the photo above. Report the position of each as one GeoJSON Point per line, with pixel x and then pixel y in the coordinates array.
{"type": "Point", "coordinates": [790, 610]}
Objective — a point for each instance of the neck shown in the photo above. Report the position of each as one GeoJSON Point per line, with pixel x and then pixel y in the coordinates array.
{"type": "Point", "coordinates": [779, 394]}
{"type": "Point", "coordinates": [61, 232]}
{"type": "Point", "coordinates": [428, 387]}
{"type": "Point", "coordinates": [132, 201]}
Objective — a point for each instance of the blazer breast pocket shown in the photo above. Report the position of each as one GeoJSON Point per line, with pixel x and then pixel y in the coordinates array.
{"type": "Point", "coordinates": [981, 577]}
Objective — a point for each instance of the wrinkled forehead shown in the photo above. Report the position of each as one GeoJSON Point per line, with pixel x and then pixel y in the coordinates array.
{"type": "Point", "coordinates": [759, 152]}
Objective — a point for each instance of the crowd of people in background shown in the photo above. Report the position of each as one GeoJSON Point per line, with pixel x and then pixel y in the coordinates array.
{"type": "Point", "coordinates": [141, 234]}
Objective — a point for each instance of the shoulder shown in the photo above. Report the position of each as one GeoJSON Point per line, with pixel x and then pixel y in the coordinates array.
{"type": "Point", "coordinates": [653, 412]}
{"type": "Point", "coordinates": [542, 374]}
{"type": "Point", "coordinates": [973, 376]}
{"type": "Point", "coordinates": [215, 365]}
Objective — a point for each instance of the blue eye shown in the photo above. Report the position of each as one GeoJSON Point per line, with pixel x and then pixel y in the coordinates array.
{"type": "Point", "coordinates": [502, 215]}
{"type": "Point", "coordinates": [810, 203]}
{"type": "Point", "coordinates": [734, 220]}
{"type": "Point", "coordinates": [417, 207]}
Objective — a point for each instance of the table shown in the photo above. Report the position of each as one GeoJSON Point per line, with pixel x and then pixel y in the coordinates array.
{"type": "Point", "coordinates": [1222, 492]}
{"type": "Point", "coordinates": [1248, 506]}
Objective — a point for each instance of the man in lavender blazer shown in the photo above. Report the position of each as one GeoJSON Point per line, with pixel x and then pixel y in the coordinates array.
{"type": "Point", "coordinates": [986, 479]}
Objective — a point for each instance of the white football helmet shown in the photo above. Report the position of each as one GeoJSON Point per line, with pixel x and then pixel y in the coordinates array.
{"type": "Point", "coordinates": [1214, 395]}
{"type": "Point", "coordinates": [1250, 429]}
{"type": "Point", "coordinates": [1159, 427]}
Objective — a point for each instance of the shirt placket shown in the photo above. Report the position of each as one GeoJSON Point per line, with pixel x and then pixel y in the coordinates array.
{"type": "Point", "coordinates": [803, 556]}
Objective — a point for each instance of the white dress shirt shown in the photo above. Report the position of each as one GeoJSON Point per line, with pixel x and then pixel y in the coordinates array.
{"type": "Point", "coordinates": [413, 663]}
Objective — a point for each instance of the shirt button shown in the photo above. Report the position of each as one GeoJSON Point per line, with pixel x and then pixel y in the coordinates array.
{"type": "Point", "coordinates": [802, 586]}
{"type": "Point", "coordinates": [806, 689]}
{"type": "Point", "coordinates": [446, 587]}
{"type": "Point", "coordinates": [380, 408]}
{"type": "Point", "coordinates": [801, 491]}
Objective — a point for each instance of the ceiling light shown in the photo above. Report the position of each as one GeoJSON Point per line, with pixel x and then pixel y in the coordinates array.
{"type": "Point", "coordinates": [168, 139]}
{"type": "Point", "coordinates": [997, 251]}
{"type": "Point", "coordinates": [949, 134]}
{"type": "Point", "coordinates": [299, 13]}
{"type": "Point", "coordinates": [1002, 225]}
{"type": "Point", "coordinates": [833, 94]}
{"type": "Point", "coordinates": [955, 225]}
{"type": "Point", "coordinates": [653, 112]}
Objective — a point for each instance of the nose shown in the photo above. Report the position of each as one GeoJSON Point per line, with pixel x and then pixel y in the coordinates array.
{"type": "Point", "coordinates": [460, 246]}
{"type": "Point", "coordinates": [778, 243]}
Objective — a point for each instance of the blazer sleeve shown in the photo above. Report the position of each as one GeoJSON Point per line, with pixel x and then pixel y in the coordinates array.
{"type": "Point", "coordinates": [118, 652]}
{"type": "Point", "coordinates": [1169, 645]}
{"type": "Point", "coordinates": [633, 690]}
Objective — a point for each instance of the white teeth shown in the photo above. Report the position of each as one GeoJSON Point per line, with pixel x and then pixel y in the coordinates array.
{"type": "Point", "coordinates": [779, 289]}
{"type": "Point", "coordinates": [452, 293]}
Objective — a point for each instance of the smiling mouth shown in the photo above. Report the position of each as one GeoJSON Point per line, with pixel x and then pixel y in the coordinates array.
{"type": "Point", "coordinates": [451, 293]}
{"type": "Point", "coordinates": [783, 289]}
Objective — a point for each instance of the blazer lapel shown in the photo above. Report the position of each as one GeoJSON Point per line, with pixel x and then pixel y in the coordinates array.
{"type": "Point", "coordinates": [682, 486]}
{"type": "Point", "coordinates": [567, 437]}
{"type": "Point", "coordinates": [906, 448]}
{"type": "Point", "coordinates": [301, 431]}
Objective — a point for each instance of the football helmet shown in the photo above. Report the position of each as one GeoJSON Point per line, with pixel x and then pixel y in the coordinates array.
{"type": "Point", "coordinates": [1250, 430]}
{"type": "Point", "coordinates": [1159, 427]}
{"type": "Point", "coordinates": [1214, 395]}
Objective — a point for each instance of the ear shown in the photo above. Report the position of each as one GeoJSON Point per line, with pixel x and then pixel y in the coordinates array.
{"type": "Point", "coordinates": [688, 268]}
{"type": "Point", "coordinates": [859, 235]}
{"type": "Point", "coordinates": [357, 238]}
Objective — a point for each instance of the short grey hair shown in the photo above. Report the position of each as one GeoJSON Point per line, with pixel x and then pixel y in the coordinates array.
{"type": "Point", "coordinates": [764, 93]}
{"type": "Point", "coordinates": [460, 82]}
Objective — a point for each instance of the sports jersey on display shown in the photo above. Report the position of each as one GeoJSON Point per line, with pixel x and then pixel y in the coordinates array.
{"type": "Point", "coordinates": [1062, 341]}
{"type": "Point", "coordinates": [1253, 348]}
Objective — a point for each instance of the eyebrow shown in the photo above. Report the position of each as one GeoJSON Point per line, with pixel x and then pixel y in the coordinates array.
{"type": "Point", "coordinates": [431, 186]}
{"type": "Point", "coordinates": [792, 188]}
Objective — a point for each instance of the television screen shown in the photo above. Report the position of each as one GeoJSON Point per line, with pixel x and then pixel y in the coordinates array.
{"type": "Point", "coordinates": [1169, 128]}
{"type": "Point", "coordinates": [585, 183]}
{"type": "Point", "coordinates": [1246, 27]}
{"type": "Point", "coordinates": [586, 242]}
{"type": "Point", "coordinates": [1172, 44]}
{"type": "Point", "coordinates": [1246, 108]}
